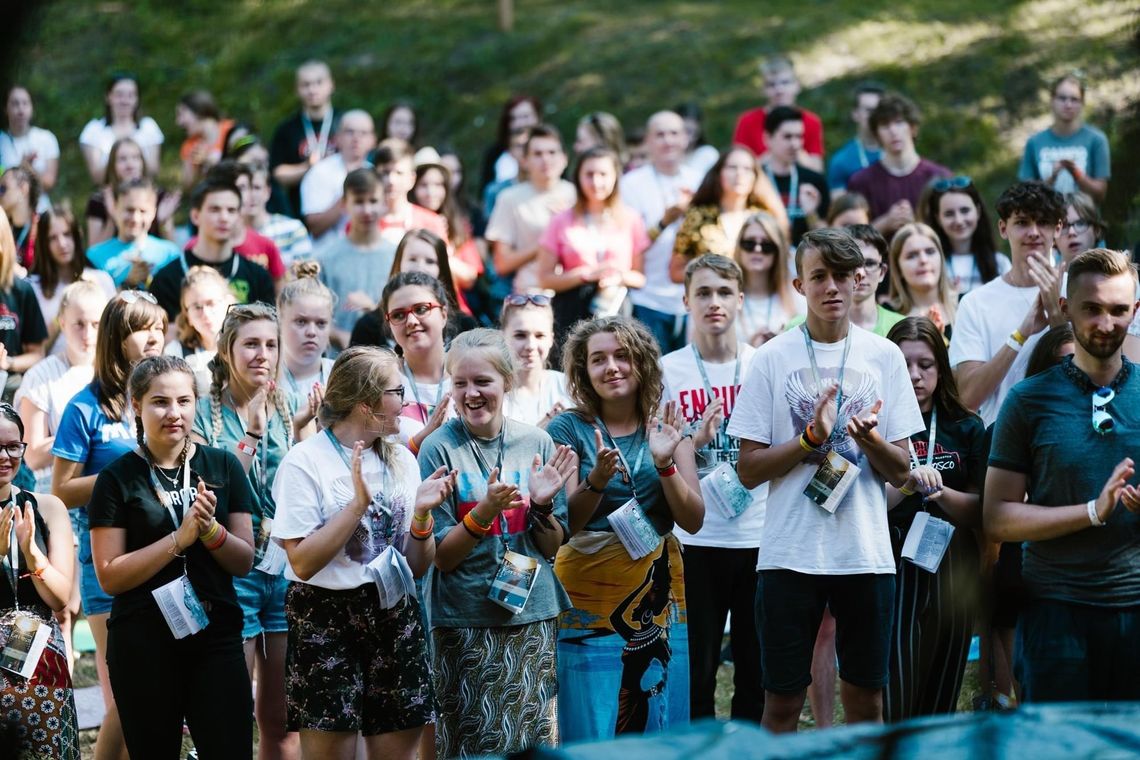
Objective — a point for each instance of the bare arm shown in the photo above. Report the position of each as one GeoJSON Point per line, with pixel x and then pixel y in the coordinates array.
{"type": "Point", "coordinates": [49, 175]}
{"type": "Point", "coordinates": [52, 574]}
{"type": "Point", "coordinates": [322, 221]}
{"type": "Point", "coordinates": [96, 161]}
{"type": "Point", "coordinates": [39, 439]}
{"type": "Point", "coordinates": [290, 175]}
{"type": "Point", "coordinates": [152, 156]}
{"type": "Point", "coordinates": [119, 570]}
{"type": "Point", "coordinates": [508, 259]}
{"type": "Point", "coordinates": [683, 490]}
{"type": "Point", "coordinates": [33, 352]}
{"type": "Point", "coordinates": [72, 488]}
{"type": "Point", "coordinates": [550, 278]}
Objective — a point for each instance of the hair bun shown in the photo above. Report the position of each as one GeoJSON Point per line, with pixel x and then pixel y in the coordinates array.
{"type": "Point", "coordinates": [308, 268]}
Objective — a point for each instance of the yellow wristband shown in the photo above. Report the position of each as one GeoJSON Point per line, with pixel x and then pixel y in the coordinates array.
{"type": "Point", "coordinates": [906, 491]}
{"type": "Point", "coordinates": [805, 445]}
{"type": "Point", "coordinates": [1016, 335]}
{"type": "Point", "coordinates": [209, 534]}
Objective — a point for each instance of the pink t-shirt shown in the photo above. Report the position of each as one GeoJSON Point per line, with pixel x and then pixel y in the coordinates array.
{"type": "Point", "coordinates": [612, 243]}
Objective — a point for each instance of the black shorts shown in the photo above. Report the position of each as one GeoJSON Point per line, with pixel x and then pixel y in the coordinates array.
{"type": "Point", "coordinates": [1008, 595]}
{"type": "Point", "coordinates": [789, 608]}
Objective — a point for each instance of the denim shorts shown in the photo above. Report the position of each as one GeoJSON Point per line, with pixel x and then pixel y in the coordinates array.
{"type": "Point", "coordinates": [262, 600]}
{"type": "Point", "coordinates": [95, 600]}
{"type": "Point", "coordinates": [789, 608]}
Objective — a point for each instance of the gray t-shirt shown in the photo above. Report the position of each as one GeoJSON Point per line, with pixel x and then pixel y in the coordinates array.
{"type": "Point", "coordinates": [1044, 430]}
{"type": "Point", "coordinates": [346, 268]}
{"type": "Point", "coordinates": [459, 598]}
{"type": "Point", "coordinates": [1087, 148]}
{"type": "Point", "coordinates": [577, 432]}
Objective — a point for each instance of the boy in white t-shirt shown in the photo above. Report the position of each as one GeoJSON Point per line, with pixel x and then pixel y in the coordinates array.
{"type": "Point", "coordinates": [720, 559]}
{"type": "Point", "coordinates": [828, 393]}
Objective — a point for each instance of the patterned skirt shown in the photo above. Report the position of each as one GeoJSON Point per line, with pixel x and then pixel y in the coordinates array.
{"type": "Point", "coordinates": [497, 689]}
{"type": "Point", "coordinates": [37, 714]}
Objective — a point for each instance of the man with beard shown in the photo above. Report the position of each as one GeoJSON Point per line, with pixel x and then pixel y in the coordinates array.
{"type": "Point", "coordinates": [1055, 480]}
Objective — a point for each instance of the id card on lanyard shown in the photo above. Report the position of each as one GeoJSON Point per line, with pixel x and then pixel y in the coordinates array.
{"type": "Point", "coordinates": [177, 600]}
{"type": "Point", "coordinates": [835, 475]}
{"type": "Point", "coordinates": [629, 521]}
{"type": "Point", "coordinates": [929, 536]}
{"type": "Point", "coordinates": [24, 635]}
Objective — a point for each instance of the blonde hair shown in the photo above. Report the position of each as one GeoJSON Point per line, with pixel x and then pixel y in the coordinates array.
{"type": "Point", "coordinates": [304, 282]}
{"type": "Point", "coordinates": [236, 318]}
{"type": "Point", "coordinates": [778, 281]}
{"type": "Point", "coordinates": [8, 253]}
{"type": "Point", "coordinates": [1102, 261]}
{"type": "Point", "coordinates": [900, 295]}
{"type": "Point", "coordinates": [359, 376]}
{"type": "Point", "coordinates": [81, 288]}
{"type": "Point", "coordinates": [488, 343]}
{"type": "Point", "coordinates": [198, 275]}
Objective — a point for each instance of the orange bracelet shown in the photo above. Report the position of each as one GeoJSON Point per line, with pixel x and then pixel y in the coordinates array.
{"type": "Point", "coordinates": [473, 527]}
{"type": "Point", "coordinates": [426, 532]}
{"type": "Point", "coordinates": [811, 436]}
{"type": "Point", "coordinates": [412, 447]}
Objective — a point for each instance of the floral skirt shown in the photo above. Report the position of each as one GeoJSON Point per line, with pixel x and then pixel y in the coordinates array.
{"type": "Point", "coordinates": [497, 689]}
{"type": "Point", "coordinates": [37, 714]}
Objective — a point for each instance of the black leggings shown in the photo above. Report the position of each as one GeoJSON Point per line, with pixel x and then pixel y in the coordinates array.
{"type": "Point", "coordinates": [159, 681]}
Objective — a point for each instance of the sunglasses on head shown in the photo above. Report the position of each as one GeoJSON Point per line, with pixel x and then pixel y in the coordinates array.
{"type": "Point", "coordinates": [522, 299]}
{"type": "Point", "coordinates": [748, 245]}
{"type": "Point", "coordinates": [961, 182]}
{"type": "Point", "coordinates": [133, 296]}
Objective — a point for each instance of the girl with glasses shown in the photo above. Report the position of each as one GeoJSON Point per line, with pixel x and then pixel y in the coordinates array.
{"type": "Point", "coordinates": [39, 718]}
{"type": "Point", "coordinates": [934, 611]}
{"type": "Point", "coordinates": [954, 208]}
{"type": "Point", "coordinates": [920, 282]}
{"type": "Point", "coordinates": [205, 298]}
{"type": "Point", "coordinates": [495, 600]}
{"type": "Point", "coordinates": [357, 665]}
{"type": "Point", "coordinates": [415, 306]}
{"type": "Point", "coordinates": [94, 431]}
{"type": "Point", "coordinates": [1083, 229]}
{"type": "Point", "coordinates": [249, 414]}
{"type": "Point", "coordinates": [171, 521]}
{"type": "Point", "coordinates": [770, 302]}
{"type": "Point", "coordinates": [538, 394]}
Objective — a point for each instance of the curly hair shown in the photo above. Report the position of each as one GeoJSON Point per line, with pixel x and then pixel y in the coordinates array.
{"type": "Point", "coordinates": [220, 375]}
{"type": "Point", "coordinates": [1034, 199]}
{"type": "Point", "coordinates": [644, 355]}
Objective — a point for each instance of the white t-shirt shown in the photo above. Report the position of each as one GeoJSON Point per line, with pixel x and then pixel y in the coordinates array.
{"type": "Point", "coordinates": [520, 217]}
{"type": "Point", "coordinates": [313, 484]}
{"type": "Point", "coordinates": [49, 385]}
{"type": "Point", "coordinates": [97, 133]}
{"type": "Point", "coordinates": [775, 406]}
{"type": "Point", "coordinates": [987, 316]}
{"type": "Point", "coordinates": [649, 193]}
{"type": "Point", "coordinates": [524, 406]}
{"type": "Point", "coordinates": [321, 187]}
{"type": "Point", "coordinates": [49, 307]}
{"type": "Point", "coordinates": [685, 385]}
{"type": "Point", "coordinates": [767, 314]}
{"type": "Point", "coordinates": [965, 275]}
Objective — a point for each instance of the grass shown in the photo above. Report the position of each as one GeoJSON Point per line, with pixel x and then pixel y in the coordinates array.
{"type": "Point", "coordinates": [979, 69]}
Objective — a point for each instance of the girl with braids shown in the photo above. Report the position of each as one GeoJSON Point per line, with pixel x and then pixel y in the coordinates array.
{"type": "Point", "coordinates": [344, 498]}
{"type": "Point", "coordinates": [205, 297]}
{"type": "Point", "coordinates": [173, 518]}
{"type": "Point", "coordinates": [94, 431]}
{"type": "Point", "coordinates": [623, 659]}
{"type": "Point", "coordinates": [248, 414]}
{"type": "Point", "coordinates": [305, 306]}
{"type": "Point", "coordinates": [38, 717]}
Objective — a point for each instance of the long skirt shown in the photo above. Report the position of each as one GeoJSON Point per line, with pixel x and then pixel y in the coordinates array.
{"type": "Point", "coordinates": [37, 714]}
{"type": "Point", "coordinates": [623, 650]}
{"type": "Point", "coordinates": [497, 689]}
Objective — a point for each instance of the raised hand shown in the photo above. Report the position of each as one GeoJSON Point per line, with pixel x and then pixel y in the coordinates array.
{"type": "Point", "coordinates": [809, 199]}
{"type": "Point", "coordinates": [711, 419]}
{"type": "Point", "coordinates": [926, 481]}
{"type": "Point", "coordinates": [861, 428]}
{"type": "Point", "coordinates": [1114, 489]}
{"type": "Point", "coordinates": [25, 522]}
{"type": "Point", "coordinates": [607, 462]}
{"type": "Point", "coordinates": [501, 496]}
{"type": "Point", "coordinates": [6, 517]}
{"type": "Point", "coordinates": [308, 412]}
{"type": "Point", "coordinates": [362, 494]}
{"type": "Point", "coordinates": [434, 491]}
{"type": "Point", "coordinates": [358, 300]}
{"type": "Point", "coordinates": [825, 412]}
{"type": "Point", "coordinates": [438, 415]}
{"type": "Point", "coordinates": [664, 434]}
{"type": "Point", "coordinates": [546, 480]}
{"type": "Point", "coordinates": [259, 410]}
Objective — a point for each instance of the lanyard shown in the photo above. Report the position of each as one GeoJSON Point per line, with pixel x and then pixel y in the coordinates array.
{"type": "Point", "coordinates": [929, 440]}
{"type": "Point", "coordinates": [13, 550]}
{"type": "Point", "coordinates": [315, 144]}
{"type": "Point", "coordinates": [631, 472]}
{"type": "Point", "coordinates": [815, 372]}
{"type": "Point", "coordinates": [233, 266]}
{"type": "Point", "coordinates": [503, 529]}
{"type": "Point", "coordinates": [385, 481]}
{"type": "Point", "coordinates": [416, 391]}
{"type": "Point", "coordinates": [168, 503]}
{"type": "Point", "coordinates": [292, 380]}
{"type": "Point", "coordinates": [23, 236]}
{"type": "Point", "coordinates": [708, 385]}
{"type": "Point", "coordinates": [794, 210]}
{"type": "Point", "coordinates": [862, 153]}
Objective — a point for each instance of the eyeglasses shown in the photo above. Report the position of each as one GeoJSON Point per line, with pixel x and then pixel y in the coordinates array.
{"type": "Point", "coordinates": [132, 296]}
{"type": "Point", "coordinates": [1102, 421]}
{"type": "Point", "coordinates": [767, 247]}
{"type": "Point", "coordinates": [14, 450]}
{"type": "Point", "coordinates": [961, 182]}
{"type": "Point", "coordinates": [870, 265]}
{"type": "Point", "coordinates": [398, 392]}
{"type": "Point", "coordinates": [421, 310]}
{"type": "Point", "coordinates": [1081, 226]}
{"type": "Point", "coordinates": [522, 299]}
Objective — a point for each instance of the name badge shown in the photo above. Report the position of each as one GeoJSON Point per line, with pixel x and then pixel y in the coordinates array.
{"type": "Point", "coordinates": [24, 639]}
{"type": "Point", "coordinates": [392, 576]}
{"type": "Point", "coordinates": [180, 607]}
{"type": "Point", "coordinates": [513, 582]}
{"type": "Point", "coordinates": [634, 530]}
{"type": "Point", "coordinates": [723, 490]}
{"type": "Point", "coordinates": [831, 481]}
{"type": "Point", "coordinates": [927, 541]}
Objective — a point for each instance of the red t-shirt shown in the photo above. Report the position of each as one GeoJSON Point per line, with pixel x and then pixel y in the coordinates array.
{"type": "Point", "coordinates": [258, 249]}
{"type": "Point", "coordinates": [750, 132]}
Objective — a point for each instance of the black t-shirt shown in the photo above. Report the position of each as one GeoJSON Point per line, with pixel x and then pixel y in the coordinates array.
{"type": "Point", "coordinates": [289, 146]}
{"type": "Point", "coordinates": [806, 177]}
{"type": "Point", "coordinates": [21, 321]}
{"type": "Point", "coordinates": [29, 597]}
{"type": "Point", "coordinates": [124, 498]}
{"type": "Point", "coordinates": [249, 282]}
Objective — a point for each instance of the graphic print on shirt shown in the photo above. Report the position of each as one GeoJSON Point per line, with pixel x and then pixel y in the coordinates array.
{"type": "Point", "coordinates": [472, 486]}
{"type": "Point", "coordinates": [691, 404]}
{"type": "Point", "coordinates": [944, 461]}
{"type": "Point", "coordinates": [383, 522]}
{"type": "Point", "coordinates": [9, 320]}
{"type": "Point", "coordinates": [858, 397]}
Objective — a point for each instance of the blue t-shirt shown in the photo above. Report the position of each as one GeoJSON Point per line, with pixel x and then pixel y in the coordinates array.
{"type": "Point", "coordinates": [1044, 430]}
{"type": "Point", "coordinates": [114, 256]}
{"type": "Point", "coordinates": [1087, 148]}
{"type": "Point", "coordinates": [852, 157]}
{"type": "Point", "coordinates": [88, 435]}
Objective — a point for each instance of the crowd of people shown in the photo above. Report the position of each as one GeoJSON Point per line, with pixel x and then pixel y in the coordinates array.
{"type": "Point", "coordinates": [312, 440]}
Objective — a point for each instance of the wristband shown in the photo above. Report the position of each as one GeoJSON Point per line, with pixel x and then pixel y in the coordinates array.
{"type": "Point", "coordinates": [221, 539]}
{"type": "Point", "coordinates": [245, 448]}
{"type": "Point", "coordinates": [1094, 518]}
{"type": "Point", "coordinates": [485, 526]}
{"type": "Point", "coordinates": [210, 533]}
{"type": "Point", "coordinates": [174, 550]}
{"type": "Point", "coordinates": [255, 436]}
{"type": "Point", "coordinates": [412, 446]}
{"type": "Point", "coordinates": [805, 445]}
{"type": "Point", "coordinates": [473, 527]}
{"type": "Point", "coordinates": [809, 433]}
{"type": "Point", "coordinates": [590, 486]}
{"type": "Point", "coordinates": [906, 491]}
{"type": "Point", "coordinates": [1017, 336]}
{"type": "Point", "coordinates": [543, 509]}
{"type": "Point", "coordinates": [1013, 345]}
{"type": "Point", "coordinates": [668, 471]}
{"type": "Point", "coordinates": [36, 573]}
{"type": "Point", "coordinates": [426, 533]}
